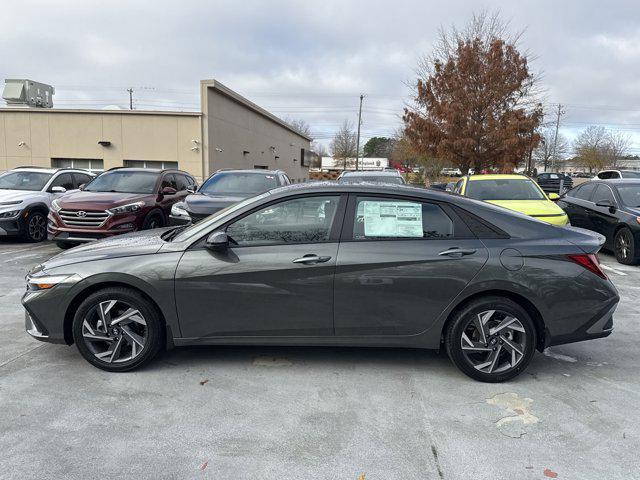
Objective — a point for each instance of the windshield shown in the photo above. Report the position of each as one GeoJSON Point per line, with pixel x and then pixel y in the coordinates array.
{"type": "Point", "coordinates": [503, 189]}
{"type": "Point", "coordinates": [202, 226]}
{"type": "Point", "coordinates": [630, 195]}
{"type": "Point", "coordinates": [33, 181]}
{"type": "Point", "coordinates": [630, 174]}
{"type": "Point", "coordinates": [238, 183]}
{"type": "Point", "coordinates": [123, 181]}
{"type": "Point", "coordinates": [372, 178]}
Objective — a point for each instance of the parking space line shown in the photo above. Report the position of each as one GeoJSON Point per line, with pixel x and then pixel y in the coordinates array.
{"type": "Point", "coordinates": [611, 269]}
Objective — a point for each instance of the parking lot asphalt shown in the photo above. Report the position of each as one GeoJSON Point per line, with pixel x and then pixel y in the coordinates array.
{"type": "Point", "coordinates": [321, 413]}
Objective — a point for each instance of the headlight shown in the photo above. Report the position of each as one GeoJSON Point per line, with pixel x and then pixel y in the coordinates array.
{"type": "Point", "coordinates": [177, 210]}
{"type": "Point", "coordinates": [129, 208]}
{"type": "Point", "coordinates": [56, 206]}
{"type": "Point", "coordinates": [10, 214]}
{"type": "Point", "coordinates": [15, 202]}
{"type": "Point", "coordinates": [46, 282]}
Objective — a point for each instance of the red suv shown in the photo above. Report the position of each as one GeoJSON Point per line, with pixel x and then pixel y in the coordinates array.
{"type": "Point", "coordinates": [120, 200]}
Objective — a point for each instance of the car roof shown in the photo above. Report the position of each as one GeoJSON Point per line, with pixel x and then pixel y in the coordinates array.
{"type": "Point", "coordinates": [49, 170]}
{"type": "Point", "coordinates": [369, 173]}
{"type": "Point", "coordinates": [257, 171]}
{"type": "Point", "coordinates": [618, 181]}
{"type": "Point", "coordinates": [498, 176]}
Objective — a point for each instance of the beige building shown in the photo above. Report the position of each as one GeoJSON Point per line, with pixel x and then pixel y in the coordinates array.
{"type": "Point", "coordinates": [229, 132]}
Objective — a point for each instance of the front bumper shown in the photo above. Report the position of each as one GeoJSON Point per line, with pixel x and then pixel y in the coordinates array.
{"type": "Point", "coordinates": [175, 221]}
{"type": "Point", "coordinates": [117, 225]}
{"type": "Point", "coordinates": [10, 227]}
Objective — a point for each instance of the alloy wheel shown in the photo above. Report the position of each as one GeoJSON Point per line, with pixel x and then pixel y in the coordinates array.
{"type": "Point", "coordinates": [623, 245]}
{"type": "Point", "coordinates": [493, 341]}
{"type": "Point", "coordinates": [37, 227]}
{"type": "Point", "coordinates": [115, 331]}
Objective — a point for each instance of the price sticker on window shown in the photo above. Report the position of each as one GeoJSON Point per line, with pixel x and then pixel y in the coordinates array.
{"type": "Point", "coordinates": [392, 219]}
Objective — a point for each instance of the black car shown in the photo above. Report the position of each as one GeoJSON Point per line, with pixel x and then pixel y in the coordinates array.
{"type": "Point", "coordinates": [224, 188]}
{"type": "Point", "coordinates": [332, 264]}
{"type": "Point", "coordinates": [609, 207]}
{"type": "Point", "coordinates": [554, 182]}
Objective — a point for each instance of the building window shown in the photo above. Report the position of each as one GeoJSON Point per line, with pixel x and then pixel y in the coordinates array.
{"type": "Point", "coordinates": [91, 164]}
{"type": "Point", "coordinates": [261, 167]}
{"type": "Point", "coordinates": [150, 164]}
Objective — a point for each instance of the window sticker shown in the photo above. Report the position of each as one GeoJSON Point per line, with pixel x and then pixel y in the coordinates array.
{"type": "Point", "coordinates": [392, 219]}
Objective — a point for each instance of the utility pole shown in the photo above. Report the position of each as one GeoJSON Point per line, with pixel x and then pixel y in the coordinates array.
{"type": "Point", "coordinates": [555, 137]}
{"type": "Point", "coordinates": [130, 90]}
{"type": "Point", "coordinates": [359, 122]}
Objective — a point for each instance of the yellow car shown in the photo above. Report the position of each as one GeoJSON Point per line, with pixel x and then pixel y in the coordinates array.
{"type": "Point", "coordinates": [515, 192]}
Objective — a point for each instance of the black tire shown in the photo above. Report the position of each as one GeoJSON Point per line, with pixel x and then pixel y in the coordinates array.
{"type": "Point", "coordinates": [66, 245]}
{"type": "Point", "coordinates": [35, 227]}
{"type": "Point", "coordinates": [154, 335]}
{"type": "Point", "coordinates": [461, 322]}
{"type": "Point", "coordinates": [624, 247]}
{"type": "Point", "coordinates": [153, 220]}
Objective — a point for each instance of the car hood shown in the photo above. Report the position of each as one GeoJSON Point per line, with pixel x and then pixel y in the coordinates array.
{"type": "Point", "coordinates": [17, 195]}
{"type": "Point", "coordinates": [533, 208]}
{"type": "Point", "coordinates": [99, 200]}
{"type": "Point", "coordinates": [138, 243]}
{"type": "Point", "coordinates": [202, 204]}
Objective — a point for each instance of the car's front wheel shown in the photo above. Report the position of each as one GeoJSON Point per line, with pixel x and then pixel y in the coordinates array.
{"type": "Point", "coordinates": [117, 329]}
{"type": "Point", "coordinates": [624, 247]}
{"type": "Point", "coordinates": [491, 339]}
{"type": "Point", "coordinates": [35, 227]}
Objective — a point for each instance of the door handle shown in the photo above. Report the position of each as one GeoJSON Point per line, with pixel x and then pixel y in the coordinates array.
{"type": "Point", "coordinates": [311, 259]}
{"type": "Point", "coordinates": [458, 252]}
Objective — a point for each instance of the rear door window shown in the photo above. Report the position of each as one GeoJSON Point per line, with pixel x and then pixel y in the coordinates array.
{"type": "Point", "coordinates": [388, 219]}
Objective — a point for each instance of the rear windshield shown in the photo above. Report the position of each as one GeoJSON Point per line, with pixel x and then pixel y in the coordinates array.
{"type": "Point", "coordinates": [33, 181]}
{"type": "Point", "coordinates": [123, 181]}
{"type": "Point", "coordinates": [630, 195]}
{"type": "Point", "coordinates": [503, 189]}
{"type": "Point", "coordinates": [239, 184]}
{"type": "Point", "coordinates": [372, 178]}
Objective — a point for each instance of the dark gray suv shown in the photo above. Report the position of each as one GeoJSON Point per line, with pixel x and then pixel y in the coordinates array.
{"type": "Point", "coordinates": [331, 264]}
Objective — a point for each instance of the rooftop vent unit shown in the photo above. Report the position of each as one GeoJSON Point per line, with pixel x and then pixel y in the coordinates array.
{"type": "Point", "coordinates": [28, 93]}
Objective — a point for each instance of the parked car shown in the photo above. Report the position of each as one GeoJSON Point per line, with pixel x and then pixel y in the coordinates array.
{"type": "Point", "coordinates": [118, 201]}
{"type": "Point", "coordinates": [515, 192]}
{"type": "Point", "coordinates": [614, 174]}
{"type": "Point", "coordinates": [554, 182]}
{"type": "Point", "coordinates": [371, 176]}
{"type": "Point", "coordinates": [332, 264]}
{"type": "Point", "coordinates": [222, 189]}
{"type": "Point", "coordinates": [611, 208]}
{"type": "Point", "coordinates": [26, 194]}
{"type": "Point", "coordinates": [451, 172]}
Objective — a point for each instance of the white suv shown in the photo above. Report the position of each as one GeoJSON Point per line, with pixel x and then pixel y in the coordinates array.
{"type": "Point", "coordinates": [26, 194]}
{"type": "Point", "coordinates": [613, 174]}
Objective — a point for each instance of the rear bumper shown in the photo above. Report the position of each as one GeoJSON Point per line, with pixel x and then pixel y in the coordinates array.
{"type": "Point", "coordinates": [598, 326]}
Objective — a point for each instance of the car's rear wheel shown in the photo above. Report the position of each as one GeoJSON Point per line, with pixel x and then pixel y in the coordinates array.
{"type": "Point", "coordinates": [35, 227]}
{"type": "Point", "coordinates": [491, 339]}
{"type": "Point", "coordinates": [624, 247]}
{"type": "Point", "coordinates": [117, 329]}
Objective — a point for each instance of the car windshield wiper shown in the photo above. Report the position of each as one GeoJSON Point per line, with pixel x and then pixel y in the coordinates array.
{"type": "Point", "coordinates": [170, 234]}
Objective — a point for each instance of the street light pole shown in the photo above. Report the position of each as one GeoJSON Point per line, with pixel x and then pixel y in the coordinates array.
{"type": "Point", "coordinates": [358, 138]}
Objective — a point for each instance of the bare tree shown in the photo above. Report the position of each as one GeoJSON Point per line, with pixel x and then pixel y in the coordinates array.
{"type": "Point", "coordinates": [344, 144]}
{"type": "Point", "coordinates": [299, 125]}
{"type": "Point", "coordinates": [592, 148]}
{"type": "Point", "coordinates": [543, 153]}
{"type": "Point", "coordinates": [319, 149]}
{"type": "Point", "coordinates": [618, 144]}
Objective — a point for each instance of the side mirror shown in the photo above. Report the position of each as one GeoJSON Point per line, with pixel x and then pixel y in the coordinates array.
{"type": "Point", "coordinates": [553, 197]}
{"type": "Point", "coordinates": [606, 204]}
{"type": "Point", "coordinates": [81, 187]}
{"type": "Point", "coordinates": [217, 241]}
{"type": "Point", "coordinates": [58, 189]}
{"type": "Point", "coordinates": [168, 191]}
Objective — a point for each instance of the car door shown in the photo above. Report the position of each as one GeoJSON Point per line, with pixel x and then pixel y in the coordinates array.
{"type": "Point", "coordinates": [401, 261]}
{"type": "Point", "coordinates": [276, 279]}
{"type": "Point", "coordinates": [578, 204]}
{"type": "Point", "coordinates": [603, 219]}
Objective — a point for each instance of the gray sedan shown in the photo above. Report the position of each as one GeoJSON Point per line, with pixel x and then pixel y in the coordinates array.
{"type": "Point", "coordinates": [331, 264]}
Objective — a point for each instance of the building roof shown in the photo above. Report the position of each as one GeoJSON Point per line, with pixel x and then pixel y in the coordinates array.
{"type": "Point", "coordinates": [236, 97]}
{"type": "Point", "coordinates": [98, 111]}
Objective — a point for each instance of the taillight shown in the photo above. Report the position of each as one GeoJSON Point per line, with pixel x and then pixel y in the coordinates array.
{"type": "Point", "coordinates": [590, 262]}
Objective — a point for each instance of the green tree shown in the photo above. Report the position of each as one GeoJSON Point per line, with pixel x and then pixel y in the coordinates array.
{"type": "Point", "coordinates": [379, 147]}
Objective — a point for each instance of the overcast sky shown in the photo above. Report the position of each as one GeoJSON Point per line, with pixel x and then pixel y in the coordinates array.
{"type": "Point", "coordinates": [311, 60]}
